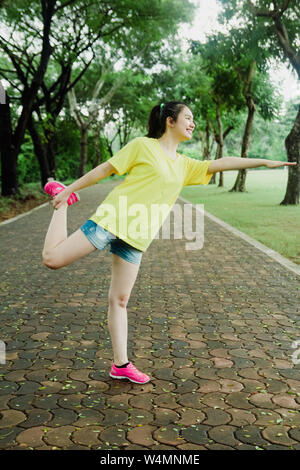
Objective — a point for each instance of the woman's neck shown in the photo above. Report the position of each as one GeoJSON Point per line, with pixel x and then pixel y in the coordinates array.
{"type": "Point", "coordinates": [169, 144]}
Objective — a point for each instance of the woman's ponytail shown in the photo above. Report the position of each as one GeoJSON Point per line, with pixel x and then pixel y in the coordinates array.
{"type": "Point", "coordinates": [158, 116]}
{"type": "Point", "coordinates": [154, 122]}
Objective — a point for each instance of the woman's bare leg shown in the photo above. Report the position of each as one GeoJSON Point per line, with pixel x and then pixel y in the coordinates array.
{"type": "Point", "coordinates": [59, 249]}
{"type": "Point", "coordinates": [122, 281]}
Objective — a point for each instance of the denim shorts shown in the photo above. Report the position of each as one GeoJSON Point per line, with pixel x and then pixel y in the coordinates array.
{"type": "Point", "coordinates": [100, 238]}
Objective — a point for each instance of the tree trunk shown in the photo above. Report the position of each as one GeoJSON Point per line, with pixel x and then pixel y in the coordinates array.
{"type": "Point", "coordinates": [220, 141]}
{"type": "Point", "coordinates": [98, 150]}
{"type": "Point", "coordinates": [240, 182]}
{"type": "Point", "coordinates": [51, 154]}
{"type": "Point", "coordinates": [292, 145]}
{"type": "Point", "coordinates": [207, 144]}
{"type": "Point", "coordinates": [83, 151]}
{"type": "Point", "coordinates": [202, 138]}
{"type": "Point", "coordinates": [9, 167]}
{"type": "Point", "coordinates": [220, 155]}
{"type": "Point", "coordinates": [213, 178]}
{"type": "Point", "coordinates": [9, 178]}
{"type": "Point", "coordinates": [30, 93]}
{"type": "Point", "coordinates": [39, 151]}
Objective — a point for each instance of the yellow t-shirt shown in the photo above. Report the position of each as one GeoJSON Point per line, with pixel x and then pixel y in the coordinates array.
{"type": "Point", "coordinates": [135, 209]}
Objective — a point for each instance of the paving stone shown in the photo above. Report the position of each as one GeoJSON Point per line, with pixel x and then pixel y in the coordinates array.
{"type": "Point", "coordinates": [191, 447]}
{"type": "Point", "coordinates": [142, 435]}
{"type": "Point", "coordinates": [207, 386]}
{"type": "Point", "coordinates": [249, 373]}
{"type": "Point", "coordinates": [289, 417]}
{"type": "Point", "coordinates": [169, 434]}
{"type": "Point", "coordinates": [80, 375]}
{"type": "Point", "coordinates": [166, 400]}
{"type": "Point", "coordinates": [196, 434]}
{"type": "Point", "coordinates": [8, 387]}
{"type": "Point", "coordinates": [229, 386]}
{"type": "Point", "coordinates": [228, 374]}
{"type": "Point", "coordinates": [239, 400]}
{"type": "Point", "coordinates": [266, 417]}
{"type": "Point", "coordinates": [10, 418]}
{"type": "Point", "coordinates": [59, 437]}
{"type": "Point", "coordinates": [219, 447]}
{"type": "Point", "coordinates": [278, 435]}
{"type": "Point", "coordinates": [215, 416]}
{"type": "Point", "coordinates": [113, 416]}
{"type": "Point", "coordinates": [185, 386]}
{"type": "Point", "coordinates": [87, 417]}
{"type": "Point", "coordinates": [48, 402]}
{"type": "Point", "coordinates": [75, 402]}
{"type": "Point", "coordinates": [88, 436]}
{"type": "Point", "coordinates": [295, 433]}
{"type": "Point", "coordinates": [27, 388]}
{"type": "Point", "coordinates": [215, 399]}
{"type": "Point", "coordinates": [36, 417]}
{"type": "Point", "coordinates": [190, 416]}
{"type": "Point", "coordinates": [142, 401]}
{"type": "Point", "coordinates": [220, 362]}
{"type": "Point", "coordinates": [161, 386]}
{"type": "Point", "coordinates": [137, 417]}
{"type": "Point", "coordinates": [251, 435]}
{"type": "Point", "coordinates": [187, 373]}
{"type": "Point", "coordinates": [16, 375]}
{"type": "Point", "coordinates": [224, 434]}
{"type": "Point", "coordinates": [32, 437]}
{"type": "Point", "coordinates": [286, 401]}
{"type": "Point", "coordinates": [269, 373]}
{"type": "Point", "coordinates": [22, 402]}
{"type": "Point", "coordinates": [191, 400]}
{"type": "Point", "coordinates": [62, 417]}
{"type": "Point", "coordinates": [206, 373]}
{"type": "Point", "coordinates": [240, 417]}
{"type": "Point", "coordinates": [163, 374]}
{"type": "Point", "coordinates": [262, 400]}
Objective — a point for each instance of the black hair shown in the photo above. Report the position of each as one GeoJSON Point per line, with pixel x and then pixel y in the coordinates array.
{"type": "Point", "coordinates": [158, 116]}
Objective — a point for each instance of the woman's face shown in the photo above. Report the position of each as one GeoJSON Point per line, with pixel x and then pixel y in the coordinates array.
{"type": "Point", "coordinates": [184, 126]}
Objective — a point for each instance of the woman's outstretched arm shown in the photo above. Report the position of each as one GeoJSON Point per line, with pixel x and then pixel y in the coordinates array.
{"type": "Point", "coordinates": [92, 177]}
{"type": "Point", "coordinates": [237, 163]}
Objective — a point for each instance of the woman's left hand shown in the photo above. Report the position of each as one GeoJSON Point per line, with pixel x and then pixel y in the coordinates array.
{"type": "Point", "coordinates": [276, 164]}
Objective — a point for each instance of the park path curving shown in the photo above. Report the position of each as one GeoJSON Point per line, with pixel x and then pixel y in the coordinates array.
{"type": "Point", "coordinates": [213, 327]}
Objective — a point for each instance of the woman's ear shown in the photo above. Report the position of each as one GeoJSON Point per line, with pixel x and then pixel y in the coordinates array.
{"type": "Point", "coordinates": [170, 121]}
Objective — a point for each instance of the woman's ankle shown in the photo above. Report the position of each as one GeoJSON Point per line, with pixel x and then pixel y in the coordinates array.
{"type": "Point", "coordinates": [63, 206]}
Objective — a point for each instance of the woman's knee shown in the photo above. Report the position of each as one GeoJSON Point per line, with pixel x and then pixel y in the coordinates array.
{"type": "Point", "coordinates": [49, 261]}
{"type": "Point", "coordinates": [119, 300]}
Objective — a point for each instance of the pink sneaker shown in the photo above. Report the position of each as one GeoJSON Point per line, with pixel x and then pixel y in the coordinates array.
{"type": "Point", "coordinates": [55, 187]}
{"type": "Point", "coordinates": [130, 372]}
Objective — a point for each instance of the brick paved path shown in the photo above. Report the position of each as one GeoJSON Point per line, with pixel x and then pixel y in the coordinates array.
{"type": "Point", "coordinates": [213, 327]}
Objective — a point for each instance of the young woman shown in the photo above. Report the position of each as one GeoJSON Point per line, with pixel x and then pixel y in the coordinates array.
{"type": "Point", "coordinates": [156, 175]}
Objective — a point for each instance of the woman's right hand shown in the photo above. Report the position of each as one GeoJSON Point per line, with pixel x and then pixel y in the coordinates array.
{"type": "Point", "coordinates": [61, 199]}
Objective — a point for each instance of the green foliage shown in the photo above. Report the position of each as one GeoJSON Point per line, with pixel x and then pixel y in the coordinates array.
{"type": "Point", "coordinates": [264, 25]}
{"type": "Point", "coordinates": [67, 149]}
{"type": "Point", "coordinates": [267, 138]}
{"type": "Point", "coordinates": [132, 35]}
{"type": "Point", "coordinates": [28, 165]}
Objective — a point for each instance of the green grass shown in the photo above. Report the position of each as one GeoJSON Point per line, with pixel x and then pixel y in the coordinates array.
{"type": "Point", "coordinates": [257, 212]}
